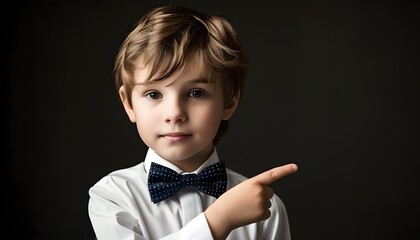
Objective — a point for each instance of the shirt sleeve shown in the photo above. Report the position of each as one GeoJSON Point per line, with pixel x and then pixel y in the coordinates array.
{"type": "Point", "coordinates": [112, 221]}
{"type": "Point", "coordinates": [198, 228]}
{"type": "Point", "coordinates": [109, 218]}
{"type": "Point", "coordinates": [277, 226]}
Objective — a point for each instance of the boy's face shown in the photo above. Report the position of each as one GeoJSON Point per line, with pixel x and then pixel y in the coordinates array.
{"type": "Point", "coordinates": [178, 117]}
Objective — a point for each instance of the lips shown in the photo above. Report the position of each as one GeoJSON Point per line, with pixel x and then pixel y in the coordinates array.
{"type": "Point", "coordinates": [176, 137]}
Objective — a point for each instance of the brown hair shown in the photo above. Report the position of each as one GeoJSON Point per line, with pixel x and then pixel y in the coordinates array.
{"type": "Point", "coordinates": [177, 33]}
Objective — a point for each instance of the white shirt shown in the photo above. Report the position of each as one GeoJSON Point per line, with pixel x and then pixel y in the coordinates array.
{"type": "Point", "coordinates": [120, 208]}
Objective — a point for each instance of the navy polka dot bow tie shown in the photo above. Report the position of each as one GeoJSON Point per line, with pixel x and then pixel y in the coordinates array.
{"type": "Point", "coordinates": [164, 182]}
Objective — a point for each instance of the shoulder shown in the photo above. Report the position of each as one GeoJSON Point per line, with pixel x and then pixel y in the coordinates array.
{"type": "Point", "coordinates": [121, 178]}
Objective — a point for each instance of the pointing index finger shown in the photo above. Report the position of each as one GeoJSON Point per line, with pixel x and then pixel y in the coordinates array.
{"type": "Point", "coordinates": [275, 174]}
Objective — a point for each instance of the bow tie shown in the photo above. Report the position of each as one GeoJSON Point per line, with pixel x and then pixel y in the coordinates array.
{"type": "Point", "coordinates": [164, 182]}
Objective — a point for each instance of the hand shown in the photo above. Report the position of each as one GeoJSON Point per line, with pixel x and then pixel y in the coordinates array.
{"type": "Point", "coordinates": [246, 203]}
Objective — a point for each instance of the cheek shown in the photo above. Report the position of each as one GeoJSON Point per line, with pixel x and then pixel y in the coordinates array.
{"type": "Point", "coordinates": [145, 120]}
{"type": "Point", "coordinates": [209, 118]}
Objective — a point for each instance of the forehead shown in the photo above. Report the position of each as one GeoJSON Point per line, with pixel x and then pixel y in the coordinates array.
{"type": "Point", "coordinates": [194, 66]}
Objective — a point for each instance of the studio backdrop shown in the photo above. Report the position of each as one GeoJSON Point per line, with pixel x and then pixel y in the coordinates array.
{"type": "Point", "coordinates": [332, 86]}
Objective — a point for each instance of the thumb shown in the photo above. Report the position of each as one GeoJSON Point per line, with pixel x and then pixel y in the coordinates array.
{"type": "Point", "coordinates": [275, 174]}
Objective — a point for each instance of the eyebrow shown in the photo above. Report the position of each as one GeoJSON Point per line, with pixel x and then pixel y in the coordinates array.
{"type": "Point", "coordinates": [198, 80]}
{"type": "Point", "coordinates": [202, 80]}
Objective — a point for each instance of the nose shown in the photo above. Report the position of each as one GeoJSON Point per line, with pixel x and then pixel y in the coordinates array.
{"type": "Point", "coordinates": [175, 111]}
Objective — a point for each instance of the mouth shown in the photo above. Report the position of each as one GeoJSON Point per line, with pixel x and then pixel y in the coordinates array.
{"type": "Point", "coordinates": [176, 137]}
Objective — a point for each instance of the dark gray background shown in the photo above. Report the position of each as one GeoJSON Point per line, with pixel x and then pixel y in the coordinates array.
{"type": "Point", "coordinates": [332, 86]}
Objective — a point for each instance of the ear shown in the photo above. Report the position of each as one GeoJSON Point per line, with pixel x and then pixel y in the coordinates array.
{"type": "Point", "coordinates": [126, 103]}
{"type": "Point", "coordinates": [230, 108]}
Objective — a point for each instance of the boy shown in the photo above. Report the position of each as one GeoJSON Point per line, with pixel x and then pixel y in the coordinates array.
{"type": "Point", "coordinates": [179, 74]}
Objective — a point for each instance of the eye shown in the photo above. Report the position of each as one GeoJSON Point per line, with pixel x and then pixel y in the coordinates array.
{"type": "Point", "coordinates": [196, 93]}
{"type": "Point", "coordinates": [153, 95]}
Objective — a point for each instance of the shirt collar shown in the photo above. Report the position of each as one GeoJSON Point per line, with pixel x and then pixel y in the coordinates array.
{"type": "Point", "coordinates": [152, 156]}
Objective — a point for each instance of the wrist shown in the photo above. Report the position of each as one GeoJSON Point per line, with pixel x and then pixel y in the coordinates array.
{"type": "Point", "coordinates": [218, 222]}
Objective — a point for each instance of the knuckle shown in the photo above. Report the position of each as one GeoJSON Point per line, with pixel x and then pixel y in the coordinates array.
{"type": "Point", "coordinates": [273, 174]}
